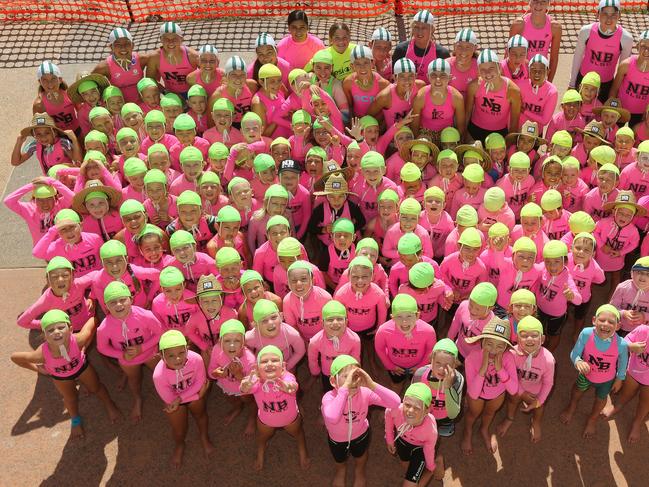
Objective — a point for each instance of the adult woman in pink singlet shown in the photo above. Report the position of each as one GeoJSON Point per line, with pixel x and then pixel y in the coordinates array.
{"type": "Point", "coordinates": [437, 105]}
{"type": "Point", "coordinates": [266, 50]}
{"type": "Point", "coordinates": [381, 45]}
{"type": "Point", "coordinates": [208, 74]}
{"type": "Point", "coordinates": [464, 65]}
{"type": "Point", "coordinates": [124, 68]}
{"type": "Point", "coordinates": [631, 83]}
{"type": "Point", "coordinates": [493, 102]}
{"type": "Point", "coordinates": [174, 61]}
{"type": "Point", "coordinates": [421, 48]}
{"type": "Point", "coordinates": [600, 46]}
{"type": "Point", "coordinates": [394, 102]}
{"type": "Point", "coordinates": [236, 88]}
{"type": "Point", "coordinates": [514, 66]}
{"type": "Point", "coordinates": [53, 98]}
{"type": "Point", "coordinates": [364, 84]}
{"type": "Point", "coordinates": [542, 32]}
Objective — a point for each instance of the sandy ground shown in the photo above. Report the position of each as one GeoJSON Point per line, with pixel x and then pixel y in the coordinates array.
{"type": "Point", "coordinates": [35, 426]}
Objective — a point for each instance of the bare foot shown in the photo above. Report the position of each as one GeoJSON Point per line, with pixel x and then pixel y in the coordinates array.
{"type": "Point", "coordinates": [114, 414]}
{"type": "Point", "coordinates": [589, 430]}
{"type": "Point", "coordinates": [359, 480]}
{"type": "Point", "coordinates": [490, 441]}
{"type": "Point", "coordinates": [438, 474]}
{"type": "Point", "coordinates": [177, 456]}
{"type": "Point", "coordinates": [609, 411]}
{"type": "Point", "coordinates": [305, 461]}
{"type": "Point", "coordinates": [339, 478]}
{"type": "Point", "coordinates": [208, 447]}
{"type": "Point", "coordinates": [234, 412]}
{"type": "Point", "coordinates": [634, 434]}
{"type": "Point", "coordinates": [566, 416]}
{"type": "Point", "coordinates": [249, 432]}
{"type": "Point", "coordinates": [259, 461]}
{"type": "Point", "coordinates": [467, 445]}
{"type": "Point", "coordinates": [123, 380]}
{"type": "Point", "coordinates": [503, 427]}
{"type": "Point", "coordinates": [535, 432]}
{"type": "Point", "coordinates": [77, 432]}
{"type": "Point", "coordinates": [136, 412]}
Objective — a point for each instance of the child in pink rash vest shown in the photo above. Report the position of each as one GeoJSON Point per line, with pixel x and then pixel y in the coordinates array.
{"type": "Point", "coordinates": [368, 247]}
{"type": "Point", "coordinates": [605, 191]}
{"type": "Point", "coordinates": [48, 197]}
{"type": "Point", "coordinates": [340, 252]}
{"type": "Point", "coordinates": [471, 316]}
{"type": "Point", "coordinates": [335, 339]}
{"type": "Point", "coordinates": [64, 293]}
{"type": "Point", "coordinates": [490, 372]}
{"type": "Point", "coordinates": [192, 264]}
{"type": "Point", "coordinates": [573, 189]}
{"type": "Point", "coordinates": [556, 289]}
{"type": "Point", "coordinates": [404, 343]}
{"type": "Point", "coordinates": [302, 307]}
{"type": "Point", "coordinates": [271, 330]}
{"type": "Point", "coordinates": [408, 218]}
{"type": "Point", "coordinates": [416, 434]}
{"type": "Point", "coordinates": [497, 249]}
{"type": "Point", "coordinates": [530, 226]}
{"type": "Point", "coordinates": [435, 219]}
{"type": "Point", "coordinates": [365, 301]}
{"type": "Point", "coordinates": [463, 269]}
{"type": "Point", "coordinates": [171, 306]}
{"type": "Point", "coordinates": [371, 184]}
{"type": "Point", "coordinates": [410, 253]}
{"type": "Point", "coordinates": [535, 367]}
{"type": "Point", "coordinates": [631, 297]}
{"type": "Point", "coordinates": [428, 291]}
{"type": "Point", "coordinates": [345, 411]}
{"type": "Point", "coordinates": [181, 385]}
{"type": "Point", "coordinates": [517, 271]}
{"type": "Point", "coordinates": [274, 390]}
{"type": "Point", "coordinates": [518, 182]}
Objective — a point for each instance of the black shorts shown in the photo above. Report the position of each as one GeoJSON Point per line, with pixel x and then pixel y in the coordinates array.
{"type": "Point", "coordinates": [76, 374]}
{"type": "Point", "coordinates": [552, 325]}
{"type": "Point", "coordinates": [326, 384]}
{"type": "Point", "coordinates": [367, 334]}
{"type": "Point", "coordinates": [398, 379]}
{"type": "Point", "coordinates": [635, 118]}
{"type": "Point", "coordinates": [414, 455]}
{"type": "Point", "coordinates": [478, 133]}
{"type": "Point", "coordinates": [581, 311]}
{"type": "Point", "coordinates": [357, 447]}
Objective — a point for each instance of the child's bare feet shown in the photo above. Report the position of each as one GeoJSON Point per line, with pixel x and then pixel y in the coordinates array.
{"type": "Point", "coordinates": [136, 412]}
{"type": "Point", "coordinates": [535, 432]}
{"type": "Point", "coordinates": [467, 445]}
{"type": "Point", "coordinates": [249, 432]}
{"type": "Point", "coordinates": [259, 460]}
{"type": "Point", "coordinates": [490, 441]}
{"type": "Point", "coordinates": [177, 456]}
{"type": "Point", "coordinates": [305, 461]}
{"type": "Point", "coordinates": [504, 426]}
{"type": "Point", "coordinates": [77, 432]}
{"type": "Point", "coordinates": [208, 447]}
{"type": "Point", "coordinates": [339, 478]}
{"type": "Point", "coordinates": [438, 474]}
{"type": "Point", "coordinates": [634, 434]}
{"type": "Point", "coordinates": [114, 414]}
{"type": "Point", "coordinates": [566, 416]}
{"type": "Point", "coordinates": [589, 430]}
{"type": "Point", "coordinates": [609, 411]}
{"type": "Point", "coordinates": [123, 380]}
{"type": "Point", "coordinates": [359, 479]}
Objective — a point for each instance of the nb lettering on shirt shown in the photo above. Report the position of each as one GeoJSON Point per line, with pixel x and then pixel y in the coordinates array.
{"type": "Point", "coordinates": [173, 75]}
{"type": "Point", "coordinates": [275, 406]}
{"type": "Point", "coordinates": [491, 104]}
{"type": "Point", "coordinates": [132, 341]}
{"type": "Point", "coordinates": [176, 321]}
{"type": "Point", "coordinates": [599, 363]}
{"type": "Point", "coordinates": [183, 384]}
{"type": "Point", "coordinates": [404, 352]}
{"type": "Point", "coordinates": [67, 367]}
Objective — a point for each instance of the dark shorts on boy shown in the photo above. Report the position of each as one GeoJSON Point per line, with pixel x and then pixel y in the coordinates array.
{"type": "Point", "coordinates": [601, 390]}
{"type": "Point", "coordinates": [414, 455]}
{"type": "Point", "coordinates": [552, 325]}
{"type": "Point", "coordinates": [398, 379]}
{"type": "Point", "coordinates": [356, 448]}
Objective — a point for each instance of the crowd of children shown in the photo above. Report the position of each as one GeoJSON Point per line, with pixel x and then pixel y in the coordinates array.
{"type": "Point", "coordinates": [347, 212]}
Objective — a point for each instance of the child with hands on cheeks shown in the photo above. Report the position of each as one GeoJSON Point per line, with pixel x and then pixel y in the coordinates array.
{"type": "Point", "coordinates": [345, 410]}
{"type": "Point", "coordinates": [490, 372]}
{"type": "Point", "coordinates": [274, 390]}
{"type": "Point", "coordinates": [600, 356]}
{"type": "Point", "coordinates": [63, 357]}
{"type": "Point", "coordinates": [181, 383]}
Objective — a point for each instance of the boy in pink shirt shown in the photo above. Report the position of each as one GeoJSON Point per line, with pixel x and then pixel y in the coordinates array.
{"type": "Point", "coordinates": [371, 184]}
{"type": "Point", "coordinates": [631, 297]}
{"type": "Point", "coordinates": [606, 191]}
{"type": "Point", "coordinates": [447, 177]}
{"type": "Point", "coordinates": [518, 182]}
{"type": "Point", "coordinates": [340, 252]}
{"type": "Point", "coordinates": [569, 118]}
{"type": "Point", "coordinates": [497, 248]}
{"type": "Point", "coordinates": [472, 192]}
{"type": "Point", "coordinates": [467, 217]}
{"type": "Point", "coordinates": [490, 372]}
{"type": "Point", "coordinates": [302, 306]}
{"type": "Point", "coordinates": [129, 334]}
{"type": "Point", "coordinates": [635, 176]}
{"type": "Point", "coordinates": [471, 316]}
{"type": "Point", "coordinates": [416, 434]}
{"type": "Point", "coordinates": [333, 340]}
{"type": "Point", "coordinates": [463, 269]}
{"type": "Point", "coordinates": [535, 367]}
{"type": "Point", "coordinates": [494, 209]}
{"type": "Point", "coordinates": [517, 271]}
{"type": "Point", "coordinates": [556, 289]}
{"type": "Point", "coordinates": [531, 226]}
{"type": "Point", "coordinates": [181, 383]}
{"type": "Point", "coordinates": [368, 247]}
{"type": "Point", "coordinates": [427, 291]}
{"type": "Point", "coordinates": [409, 212]}
{"type": "Point", "coordinates": [437, 222]}
{"type": "Point", "coordinates": [299, 204]}
{"type": "Point", "coordinates": [290, 250]}
{"type": "Point", "coordinates": [171, 306]}
{"type": "Point", "coordinates": [65, 239]}
{"type": "Point", "coordinates": [555, 218]}
{"type": "Point", "coordinates": [404, 343]}
{"type": "Point", "coordinates": [410, 252]}
{"type": "Point", "coordinates": [271, 330]}
{"type": "Point", "coordinates": [573, 188]}
{"type": "Point", "coordinates": [274, 390]}
{"type": "Point", "coordinates": [192, 264]}
{"type": "Point", "coordinates": [345, 411]}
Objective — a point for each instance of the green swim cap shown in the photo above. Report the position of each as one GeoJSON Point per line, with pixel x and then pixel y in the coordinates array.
{"type": "Point", "coordinates": [263, 308]}
{"type": "Point", "coordinates": [473, 173]}
{"type": "Point", "coordinates": [112, 248]}
{"type": "Point", "coordinates": [234, 182]}
{"type": "Point", "coordinates": [155, 176]}
{"type": "Point", "coordinates": [249, 276]}
{"type": "Point", "coordinates": [435, 193]}
{"type": "Point", "coordinates": [404, 303]}
{"type": "Point", "coordinates": [551, 200]}
{"type": "Point", "coordinates": [180, 238]}
{"type": "Point", "coordinates": [340, 362]}
{"type": "Point", "coordinates": [446, 345]}
{"type": "Point", "coordinates": [54, 316]}
{"type": "Point", "coordinates": [209, 177]}
{"type": "Point", "coordinates": [608, 308]}
{"type": "Point", "coordinates": [300, 264]}
{"type": "Point", "coordinates": [494, 199]}
{"type": "Point", "coordinates": [524, 244]}
{"type": "Point", "coordinates": [232, 326]}
{"type": "Point", "coordinates": [184, 122]}
{"type": "Point", "coordinates": [555, 249]}
{"type": "Point", "coordinates": [289, 247]}
{"type": "Point", "coordinates": [171, 100]}
{"type": "Point", "coordinates": [129, 108]}
{"type": "Point", "coordinates": [519, 160]}
{"type": "Point", "coordinates": [531, 210]}
{"type": "Point", "coordinates": [223, 105]}
{"type": "Point", "coordinates": [272, 350]}
{"type": "Point", "coordinates": [67, 216]}
{"type": "Point", "coordinates": [196, 90]}
{"type": "Point", "coordinates": [276, 191]}
{"type": "Point", "coordinates": [410, 173]}
{"type": "Point", "coordinates": [529, 324]}
{"type": "Point", "coordinates": [466, 216]}
{"type": "Point", "coordinates": [189, 197]}
{"type": "Point", "coordinates": [372, 159]}
{"type": "Point", "coordinates": [420, 391]}
{"type": "Point", "coordinates": [498, 229]}
{"type": "Point", "coordinates": [226, 256]}
{"type": "Point", "coordinates": [157, 148]}
{"type": "Point", "coordinates": [603, 154]}
{"type": "Point", "coordinates": [262, 162]}
{"type": "Point", "coordinates": [125, 132]}
{"type": "Point", "coordinates": [495, 141]}
{"type": "Point", "coordinates": [228, 214]}
{"type": "Point", "coordinates": [343, 225]}
{"type": "Point", "coordinates": [369, 121]}
{"type": "Point", "coordinates": [172, 339]}
{"type": "Point", "coordinates": [116, 290]}
{"type": "Point", "coordinates": [301, 116]}
{"type": "Point", "coordinates": [154, 116]}
{"type": "Point", "coordinates": [131, 206]}
{"type": "Point", "coordinates": [277, 220]}
{"type": "Point", "coordinates": [410, 206]}
{"type": "Point", "coordinates": [367, 243]}
{"type": "Point", "coordinates": [96, 136]}
{"type": "Point", "coordinates": [471, 238]}
{"type": "Point", "coordinates": [523, 296]}
{"type": "Point", "coordinates": [389, 195]}
{"type": "Point", "coordinates": [109, 92]}
{"type": "Point", "coordinates": [58, 262]}
{"type": "Point", "coordinates": [145, 83]}
{"type": "Point", "coordinates": [44, 191]}
{"type": "Point", "coordinates": [171, 276]}
{"type": "Point", "coordinates": [334, 309]}
{"type": "Point", "coordinates": [251, 117]}
{"type": "Point", "coordinates": [421, 275]}
{"type": "Point", "coordinates": [484, 294]}
{"type": "Point", "coordinates": [98, 112]}
{"type": "Point", "coordinates": [361, 261]}
{"type": "Point", "coordinates": [562, 138]}
{"type": "Point", "coordinates": [409, 244]}
{"type": "Point", "coordinates": [449, 135]}
{"type": "Point", "coordinates": [218, 151]}
{"type": "Point", "coordinates": [190, 154]}
{"type": "Point", "coordinates": [134, 166]}
{"type": "Point", "coordinates": [580, 221]}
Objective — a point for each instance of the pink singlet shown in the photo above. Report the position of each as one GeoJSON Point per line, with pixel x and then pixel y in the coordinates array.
{"type": "Point", "coordinates": [461, 79]}
{"type": "Point", "coordinates": [438, 405]}
{"type": "Point", "coordinates": [437, 117]}
{"type": "Point", "coordinates": [399, 108]}
{"type": "Point", "coordinates": [362, 99]}
{"type": "Point", "coordinates": [126, 80]}
{"type": "Point", "coordinates": [491, 109]}
{"type": "Point", "coordinates": [601, 55]}
{"type": "Point", "coordinates": [603, 365]}
{"type": "Point", "coordinates": [634, 91]}
{"type": "Point", "coordinates": [174, 76]}
{"type": "Point", "coordinates": [61, 367]}
{"type": "Point", "coordinates": [65, 114]}
{"type": "Point", "coordinates": [212, 85]}
{"type": "Point", "coordinates": [538, 39]}
{"type": "Point", "coordinates": [421, 63]}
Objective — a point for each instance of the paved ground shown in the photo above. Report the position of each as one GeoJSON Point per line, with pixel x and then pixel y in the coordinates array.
{"type": "Point", "coordinates": [35, 427]}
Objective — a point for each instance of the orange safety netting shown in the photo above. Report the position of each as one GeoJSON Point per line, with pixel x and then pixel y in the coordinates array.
{"type": "Point", "coordinates": [468, 7]}
{"type": "Point", "coordinates": [124, 11]}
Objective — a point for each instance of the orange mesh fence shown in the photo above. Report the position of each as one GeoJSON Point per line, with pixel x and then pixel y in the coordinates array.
{"type": "Point", "coordinates": [103, 11]}
{"type": "Point", "coordinates": [468, 7]}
